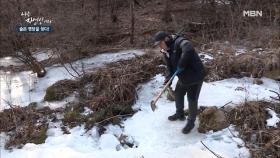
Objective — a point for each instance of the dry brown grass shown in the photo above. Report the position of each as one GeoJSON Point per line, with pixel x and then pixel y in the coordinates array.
{"type": "Point", "coordinates": [114, 87]}
{"type": "Point", "coordinates": [250, 120]}
{"type": "Point", "coordinates": [252, 63]}
{"type": "Point", "coordinates": [25, 125]}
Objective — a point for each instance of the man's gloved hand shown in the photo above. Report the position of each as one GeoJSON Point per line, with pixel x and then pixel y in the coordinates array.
{"type": "Point", "coordinates": [178, 70]}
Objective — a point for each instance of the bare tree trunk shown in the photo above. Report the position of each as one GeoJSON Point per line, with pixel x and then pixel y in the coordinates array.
{"type": "Point", "coordinates": [83, 7]}
{"type": "Point", "coordinates": [28, 59]}
{"type": "Point", "coordinates": [166, 15]}
{"type": "Point", "coordinates": [98, 16]}
{"type": "Point", "coordinates": [114, 17]}
{"type": "Point", "coordinates": [132, 22]}
{"type": "Point", "coordinates": [276, 20]}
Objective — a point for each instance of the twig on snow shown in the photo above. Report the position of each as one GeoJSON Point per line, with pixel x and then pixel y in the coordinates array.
{"type": "Point", "coordinates": [218, 156]}
{"type": "Point", "coordinates": [112, 118]}
{"type": "Point", "coordinates": [226, 104]}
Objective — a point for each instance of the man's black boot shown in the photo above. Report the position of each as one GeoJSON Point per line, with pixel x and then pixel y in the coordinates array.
{"type": "Point", "coordinates": [189, 126]}
{"type": "Point", "coordinates": [177, 116]}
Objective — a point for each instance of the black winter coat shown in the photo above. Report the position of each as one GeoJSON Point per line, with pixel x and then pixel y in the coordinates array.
{"type": "Point", "coordinates": [182, 54]}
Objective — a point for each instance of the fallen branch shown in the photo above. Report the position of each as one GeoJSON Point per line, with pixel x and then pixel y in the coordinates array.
{"type": "Point", "coordinates": [226, 104]}
{"type": "Point", "coordinates": [218, 156]}
{"type": "Point", "coordinates": [109, 118]}
{"type": "Point", "coordinates": [275, 98]}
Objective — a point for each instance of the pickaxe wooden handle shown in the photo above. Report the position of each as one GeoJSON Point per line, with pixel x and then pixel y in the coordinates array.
{"type": "Point", "coordinates": [154, 101]}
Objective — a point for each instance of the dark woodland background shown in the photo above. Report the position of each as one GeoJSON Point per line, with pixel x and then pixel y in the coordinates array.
{"type": "Point", "coordinates": [92, 26]}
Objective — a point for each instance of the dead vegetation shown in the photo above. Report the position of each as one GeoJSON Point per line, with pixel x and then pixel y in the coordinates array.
{"type": "Point", "coordinates": [254, 63]}
{"type": "Point", "coordinates": [86, 28]}
{"type": "Point", "coordinates": [73, 118]}
{"type": "Point", "coordinates": [110, 92]}
{"type": "Point", "coordinates": [249, 119]}
{"type": "Point", "coordinates": [114, 88]}
{"type": "Point", "coordinates": [60, 90]}
{"type": "Point", "coordinates": [25, 125]}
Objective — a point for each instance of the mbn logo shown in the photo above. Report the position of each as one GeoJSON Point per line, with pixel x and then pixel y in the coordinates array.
{"type": "Point", "coordinates": [252, 13]}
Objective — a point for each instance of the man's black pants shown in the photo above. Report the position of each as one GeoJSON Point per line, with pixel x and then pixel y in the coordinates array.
{"type": "Point", "coordinates": [192, 91]}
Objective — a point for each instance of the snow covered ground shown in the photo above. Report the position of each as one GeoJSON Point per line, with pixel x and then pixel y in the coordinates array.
{"type": "Point", "coordinates": [272, 122]}
{"type": "Point", "coordinates": [7, 61]}
{"type": "Point", "coordinates": [150, 132]}
{"type": "Point", "coordinates": [24, 87]}
{"type": "Point", "coordinates": [44, 55]}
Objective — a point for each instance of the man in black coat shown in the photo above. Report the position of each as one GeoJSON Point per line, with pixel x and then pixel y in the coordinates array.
{"type": "Point", "coordinates": [182, 59]}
